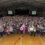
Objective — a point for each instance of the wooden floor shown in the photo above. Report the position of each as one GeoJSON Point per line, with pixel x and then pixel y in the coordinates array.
{"type": "Point", "coordinates": [17, 39]}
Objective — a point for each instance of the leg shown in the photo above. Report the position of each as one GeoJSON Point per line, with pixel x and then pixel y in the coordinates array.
{"type": "Point", "coordinates": [21, 32]}
{"type": "Point", "coordinates": [34, 33]}
{"type": "Point", "coordinates": [41, 33]}
{"type": "Point", "coordinates": [14, 31]}
{"type": "Point", "coordinates": [1, 34]}
{"type": "Point", "coordinates": [30, 33]}
{"type": "Point", "coordinates": [17, 31]}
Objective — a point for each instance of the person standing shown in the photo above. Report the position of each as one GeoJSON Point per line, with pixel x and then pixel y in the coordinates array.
{"type": "Point", "coordinates": [41, 30]}
{"type": "Point", "coordinates": [26, 26]}
{"type": "Point", "coordinates": [30, 30]}
{"type": "Point", "coordinates": [10, 29]}
{"type": "Point", "coordinates": [34, 30]}
{"type": "Point", "coordinates": [1, 31]}
{"type": "Point", "coordinates": [17, 28]}
{"type": "Point", "coordinates": [21, 29]}
{"type": "Point", "coordinates": [14, 28]}
{"type": "Point", "coordinates": [38, 29]}
{"type": "Point", "coordinates": [24, 29]}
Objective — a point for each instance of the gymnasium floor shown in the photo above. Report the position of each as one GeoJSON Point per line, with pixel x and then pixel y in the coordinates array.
{"type": "Point", "coordinates": [17, 39]}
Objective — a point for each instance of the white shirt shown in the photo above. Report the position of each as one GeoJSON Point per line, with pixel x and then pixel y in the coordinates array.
{"type": "Point", "coordinates": [31, 29]}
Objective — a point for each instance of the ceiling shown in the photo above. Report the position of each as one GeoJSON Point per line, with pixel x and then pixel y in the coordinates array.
{"type": "Point", "coordinates": [36, 3]}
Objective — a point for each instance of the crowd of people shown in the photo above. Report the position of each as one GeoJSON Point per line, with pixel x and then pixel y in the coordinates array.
{"type": "Point", "coordinates": [22, 24]}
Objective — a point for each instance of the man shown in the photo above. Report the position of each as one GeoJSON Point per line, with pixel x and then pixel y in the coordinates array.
{"type": "Point", "coordinates": [41, 30]}
{"type": "Point", "coordinates": [1, 31]}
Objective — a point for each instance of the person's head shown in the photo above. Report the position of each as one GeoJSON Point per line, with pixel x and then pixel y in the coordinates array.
{"type": "Point", "coordinates": [17, 25]}
{"type": "Point", "coordinates": [4, 24]}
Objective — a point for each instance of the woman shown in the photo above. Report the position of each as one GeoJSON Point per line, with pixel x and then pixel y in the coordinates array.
{"type": "Point", "coordinates": [34, 30]}
{"type": "Point", "coordinates": [24, 29]}
{"type": "Point", "coordinates": [21, 29]}
{"type": "Point", "coordinates": [14, 28]}
{"type": "Point", "coordinates": [17, 28]}
{"type": "Point", "coordinates": [26, 26]}
{"type": "Point", "coordinates": [37, 29]}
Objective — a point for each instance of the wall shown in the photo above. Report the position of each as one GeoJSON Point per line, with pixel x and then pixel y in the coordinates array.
{"type": "Point", "coordinates": [40, 11]}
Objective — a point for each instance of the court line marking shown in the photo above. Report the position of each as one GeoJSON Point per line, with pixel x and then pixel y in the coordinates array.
{"type": "Point", "coordinates": [18, 39]}
{"type": "Point", "coordinates": [21, 40]}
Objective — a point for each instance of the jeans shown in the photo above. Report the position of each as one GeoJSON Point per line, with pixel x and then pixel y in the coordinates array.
{"type": "Point", "coordinates": [17, 31]}
{"type": "Point", "coordinates": [14, 31]}
{"type": "Point", "coordinates": [31, 33]}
